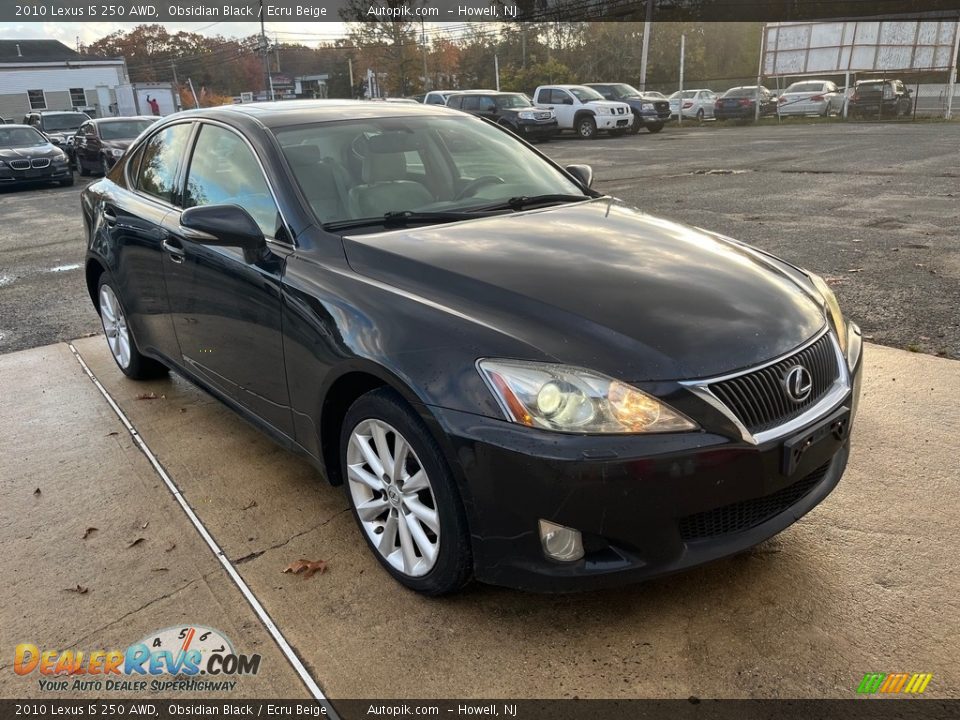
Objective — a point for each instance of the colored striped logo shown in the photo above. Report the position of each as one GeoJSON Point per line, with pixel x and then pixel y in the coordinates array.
{"type": "Point", "coordinates": [892, 683]}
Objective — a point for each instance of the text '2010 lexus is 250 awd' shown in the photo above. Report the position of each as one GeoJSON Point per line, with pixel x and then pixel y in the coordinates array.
{"type": "Point", "coordinates": [515, 377]}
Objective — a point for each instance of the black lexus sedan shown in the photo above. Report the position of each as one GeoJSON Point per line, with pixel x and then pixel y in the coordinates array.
{"type": "Point", "coordinates": [515, 377]}
{"type": "Point", "coordinates": [740, 103]}
{"type": "Point", "coordinates": [512, 110]}
{"type": "Point", "coordinates": [27, 157]}
{"type": "Point", "coordinates": [99, 143]}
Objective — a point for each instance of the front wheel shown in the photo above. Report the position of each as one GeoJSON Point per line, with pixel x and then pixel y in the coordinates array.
{"type": "Point", "coordinates": [655, 127]}
{"type": "Point", "coordinates": [635, 125]}
{"type": "Point", "coordinates": [403, 495]}
{"type": "Point", "coordinates": [119, 336]}
{"type": "Point", "coordinates": [587, 128]}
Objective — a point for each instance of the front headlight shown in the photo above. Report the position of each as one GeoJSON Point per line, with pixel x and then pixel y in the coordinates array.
{"type": "Point", "coordinates": [116, 152]}
{"type": "Point", "coordinates": [526, 115]}
{"type": "Point", "coordinates": [62, 157]}
{"type": "Point", "coordinates": [646, 106]}
{"type": "Point", "coordinates": [832, 308]}
{"type": "Point", "coordinates": [569, 399]}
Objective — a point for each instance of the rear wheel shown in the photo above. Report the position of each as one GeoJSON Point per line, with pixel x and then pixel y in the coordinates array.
{"type": "Point", "coordinates": [119, 336]}
{"type": "Point", "coordinates": [655, 127]}
{"type": "Point", "coordinates": [586, 128]}
{"type": "Point", "coordinates": [403, 495]}
{"type": "Point", "coordinates": [700, 115]}
{"type": "Point", "coordinates": [82, 169]}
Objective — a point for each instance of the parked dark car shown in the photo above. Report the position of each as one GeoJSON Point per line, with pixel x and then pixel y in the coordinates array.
{"type": "Point", "coordinates": [890, 98]}
{"type": "Point", "coordinates": [99, 143]}
{"type": "Point", "coordinates": [740, 103]}
{"type": "Point", "coordinates": [648, 111]}
{"type": "Point", "coordinates": [516, 378]}
{"type": "Point", "coordinates": [512, 110]}
{"type": "Point", "coordinates": [59, 126]}
{"type": "Point", "coordinates": [26, 156]}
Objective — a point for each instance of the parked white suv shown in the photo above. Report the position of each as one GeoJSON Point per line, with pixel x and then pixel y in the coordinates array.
{"type": "Point", "coordinates": [583, 110]}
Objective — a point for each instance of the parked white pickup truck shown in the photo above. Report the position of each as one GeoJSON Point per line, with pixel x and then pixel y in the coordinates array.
{"type": "Point", "coordinates": [583, 110]}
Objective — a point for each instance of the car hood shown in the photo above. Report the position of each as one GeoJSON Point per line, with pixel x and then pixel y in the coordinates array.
{"type": "Point", "coordinates": [601, 285]}
{"type": "Point", "coordinates": [37, 151]}
{"type": "Point", "coordinates": [612, 104]}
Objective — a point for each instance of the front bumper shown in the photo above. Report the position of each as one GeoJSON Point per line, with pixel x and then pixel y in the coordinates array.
{"type": "Point", "coordinates": [535, 129]}
{"type": "Point", "coordinates": [612, 122]}
{"type": "Point", "coordinates": [51, 173]}
{"type": "Point", "coordinates": [645, 505]}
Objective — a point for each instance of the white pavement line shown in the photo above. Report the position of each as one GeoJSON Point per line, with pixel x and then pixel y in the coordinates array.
{"type": "Point", "coordinates": [264, 616]}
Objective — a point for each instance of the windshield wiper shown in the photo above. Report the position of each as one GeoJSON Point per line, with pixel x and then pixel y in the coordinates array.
{"type": "Point", "coordinates": [402, 218]}
{"type": "Point", "coordinates": [524, 201]}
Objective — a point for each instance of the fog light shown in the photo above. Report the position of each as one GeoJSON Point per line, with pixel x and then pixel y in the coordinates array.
{"type": "Point", "coordinates": [560, 543]}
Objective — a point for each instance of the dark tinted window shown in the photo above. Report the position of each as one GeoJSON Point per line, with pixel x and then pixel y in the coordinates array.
{"type": "Point", "coordinates": [160, 161]}
{"type": "Point", "coordinates": [471, 102]}
{"type": "Point", "coordinates": [224, 171]}
{"type": "Point", "coordinates": [455, 102]}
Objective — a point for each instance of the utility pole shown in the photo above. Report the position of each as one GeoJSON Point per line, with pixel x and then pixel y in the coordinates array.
{"type": "Point", "coordinates": [496, 70]}
{"type": "Point", "coordinates": [683, 39]}
{"type": "Point", "coordinates": [523, 45]}
{"type": "Point", "coordinates": [953, 73]}
{"type": "Point", "coordinates": [350, 70]}
{"type": "Point", "coordinates": [263, 47]}
{"type": "Point", "coordinates": [423, 46]}
{"type": "Point", "coordinates": [646, 45]}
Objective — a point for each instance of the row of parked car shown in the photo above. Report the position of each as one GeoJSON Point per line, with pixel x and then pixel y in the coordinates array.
{"type": "Point", "coordinates": [48, 145]}
{"type": "Point", "coordinates": [890, 98]}
{"type": "Point", "coordinates": [588, 109]}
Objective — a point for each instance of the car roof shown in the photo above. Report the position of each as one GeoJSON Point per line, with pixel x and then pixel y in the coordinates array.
{"type": "Point", "coordinates": [17, 125]}
{"type": "Point", "coordinates": [300, 112]}
{"type": "Point", "coordinates": [122, 118]}
{"type": "Point", "coordinates": [57, 112]}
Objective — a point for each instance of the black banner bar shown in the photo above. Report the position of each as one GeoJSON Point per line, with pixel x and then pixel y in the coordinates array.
{"type": "Point", "coordinates": [298, 11]}
{"type": "Point", "coordinates": [865, 708]}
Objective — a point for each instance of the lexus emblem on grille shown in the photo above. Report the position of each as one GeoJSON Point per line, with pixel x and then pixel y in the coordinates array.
{"type": "Point", "coordinates": [798, 383]}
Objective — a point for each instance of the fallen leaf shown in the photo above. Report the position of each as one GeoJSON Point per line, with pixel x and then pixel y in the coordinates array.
{"type": "Point", "coordinates": [88, 531]}
{"type": "Point", "coordinates": [79, 590]}
{"type": "Point", "coordinates": [160, 569]}
{"type": "Point", "coordinates": [151, 396]}
{"type": "Point", "coordinates": [37, 491]}
{"type": "Point", "coordinates": [253, 504]}
{"type": "Point", "coordinates": [144, 526]}
{"type": "Point", "coordinates": [135, 542]}
{"type": "Point", "coordinates": [111, 433]}
{"type": "Point", "coordinates": [308, 567]}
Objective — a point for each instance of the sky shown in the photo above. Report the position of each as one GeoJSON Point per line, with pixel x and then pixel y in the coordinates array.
{"type": "Point", "coordinates": [309, 33]}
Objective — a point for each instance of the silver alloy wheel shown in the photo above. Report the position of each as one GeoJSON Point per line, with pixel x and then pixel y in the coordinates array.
{"type": "Point", "coordinates": [393, 497]}
{"type": "Point", "coordinates": [115, 326]}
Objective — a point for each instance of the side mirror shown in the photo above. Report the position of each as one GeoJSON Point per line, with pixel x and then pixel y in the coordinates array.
{"type": "Point", "coordinates": [224, 225]}
{"type": "Point", "coordinates": [583, 173]}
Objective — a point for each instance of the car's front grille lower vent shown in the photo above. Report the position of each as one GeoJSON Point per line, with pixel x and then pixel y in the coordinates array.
{"type": "Point", "coordinates": [40, 163]}
{"type": "Point", "coordinates": [760, 398]}
{"type": "Point", "coordinates": [741, 516]}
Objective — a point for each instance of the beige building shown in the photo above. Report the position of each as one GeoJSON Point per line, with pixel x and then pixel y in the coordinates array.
{"type": "Point", "coordinates": [48, 75]}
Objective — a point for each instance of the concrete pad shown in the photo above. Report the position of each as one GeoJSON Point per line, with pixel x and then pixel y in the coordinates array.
{"type": "Point", "coordinates": [866, 583]}
{"type": "Point", "coordinates": [59, 437]}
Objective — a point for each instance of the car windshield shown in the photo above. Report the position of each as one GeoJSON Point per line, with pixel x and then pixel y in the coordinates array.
{"type": "Point", "coordinates": [365, 168]}
{"type": "Point", "coordinates": [621, 91]}
{"type": "Point", "coordinates": [123, 129]}
{"type": "Point", "coordinates": [655, 95]}
{"type": "Point", "coordinates": [512, 101]}
{"type": "Point", "coordinates": [585, 94]}
{"type": "Point", "coordinates": [20, 137]}
{"type": "Point", "coordinates": [805, 87]}
{"type": "Point", "coordinates": [63, 121]}
{"type": "Point", "coordinates": [684, 94]}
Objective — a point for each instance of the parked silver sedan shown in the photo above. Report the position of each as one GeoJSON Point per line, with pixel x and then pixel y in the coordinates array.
{"type": "Point", "coordinates": [697, 104]}
{"type": "Point", "coordinates": [811, 97]}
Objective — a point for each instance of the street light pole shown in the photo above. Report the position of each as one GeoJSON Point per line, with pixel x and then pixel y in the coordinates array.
{"type": "Point", "coordinates": [646, 45]}
{"type": "Point", "coordinates": [264, 49]}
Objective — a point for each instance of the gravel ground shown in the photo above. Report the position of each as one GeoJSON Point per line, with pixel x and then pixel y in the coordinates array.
{"type": "Point", "coordinates": [873, 207]}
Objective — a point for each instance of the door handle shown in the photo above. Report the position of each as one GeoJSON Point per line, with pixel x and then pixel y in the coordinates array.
{"type": "Point", "coordinates": [174, 248]}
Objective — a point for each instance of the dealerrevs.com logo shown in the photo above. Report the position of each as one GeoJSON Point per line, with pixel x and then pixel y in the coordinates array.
{"type": "Point", "coordinates": [894, 683]}
{"type": "Point", "coordinates": [186, 659]}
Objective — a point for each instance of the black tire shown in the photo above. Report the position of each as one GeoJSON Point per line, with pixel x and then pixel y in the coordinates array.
{"type": "Point", "coordinates": [66, 182]}
{"type": "Point", "coordinates": [586, 128]}
{"type": "Point", "coordinates": [139, 367]}
{"type": "Point", "coordinates": [655, 127]}
{"type": "Point", "coordinates": [700, 115]}
{"type": "Point", "coordinates": [635, 125]}
{"type": "Point", "coordinates": [82, 169]}
{"type": "Point", "coordinates": [453, 567]}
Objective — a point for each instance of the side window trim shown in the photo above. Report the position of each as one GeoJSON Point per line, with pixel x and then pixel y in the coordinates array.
{"type": "Point", "coordinates": [191, 146]}
{"type": "Point", "coordinates": [178, 174]}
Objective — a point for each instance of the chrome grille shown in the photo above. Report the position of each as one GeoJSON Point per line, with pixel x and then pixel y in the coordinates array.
{"type": "Point", "coordinates": [20, 164]}
{"type": "Point", "coordinates": [40, 162]}
{"type": "Point", "coordinates": [759, 398]}
{"type": "Point", "coordinates": [747, 514]}
{"type": "Point", "coordinates": [542, 116]}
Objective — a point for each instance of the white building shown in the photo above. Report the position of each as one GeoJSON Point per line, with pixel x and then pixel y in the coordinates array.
{"type": "Point", "coordinates": [47, 75]}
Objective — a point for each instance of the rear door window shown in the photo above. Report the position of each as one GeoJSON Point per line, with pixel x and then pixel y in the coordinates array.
{"type": "Point", "coordinates": [161, 160]}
